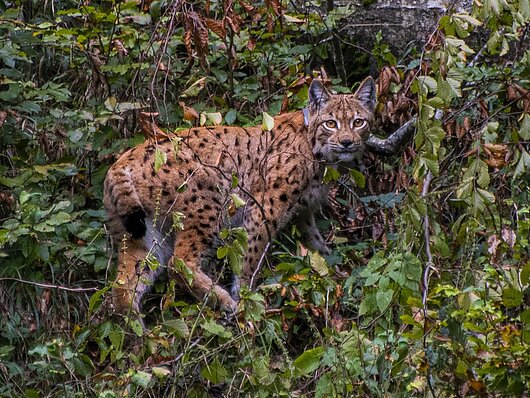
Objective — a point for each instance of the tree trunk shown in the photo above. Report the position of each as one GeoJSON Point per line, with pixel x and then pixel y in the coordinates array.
{"type": "Point", "coordinates": [400, 21]}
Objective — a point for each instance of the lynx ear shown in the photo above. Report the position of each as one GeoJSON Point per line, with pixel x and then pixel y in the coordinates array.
{"type": "Point", "coordinates": [366, 93]}
{"type": "Point", "coordinates": [318, 95]}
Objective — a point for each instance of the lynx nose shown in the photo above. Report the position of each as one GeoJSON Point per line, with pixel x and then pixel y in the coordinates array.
{"type": "Point", "coordinates": [346, 143]}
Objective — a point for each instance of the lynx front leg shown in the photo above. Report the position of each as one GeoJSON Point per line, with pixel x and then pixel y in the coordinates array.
{"type": "Point", "coordinates": [188, 250]}
{"type": "Point", "coordinates": [305, 223]}
{"type": "Point", "coordinates": [132, 279]}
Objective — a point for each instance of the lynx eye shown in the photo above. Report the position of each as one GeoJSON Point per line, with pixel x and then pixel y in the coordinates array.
{"type": "Point", "coordinates": [358, 122]}
{"type": "Point", "coordinates": [330, 124]}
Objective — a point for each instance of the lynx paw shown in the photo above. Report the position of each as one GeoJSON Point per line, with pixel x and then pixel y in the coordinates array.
{"type": "Point", "coordinates": [225, 302]}
{"type": "Point", "coordinates": [319, 245]}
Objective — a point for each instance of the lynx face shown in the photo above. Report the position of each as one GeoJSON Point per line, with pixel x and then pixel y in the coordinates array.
{"type": "Point", "coordinates": [341, 123]}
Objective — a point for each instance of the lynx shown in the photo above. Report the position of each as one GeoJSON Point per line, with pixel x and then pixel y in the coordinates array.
{"type": "Point", "coordinates": [279, 176]}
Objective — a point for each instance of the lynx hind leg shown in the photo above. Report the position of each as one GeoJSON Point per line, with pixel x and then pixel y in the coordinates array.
{"type": "Point", "coordinates": [305, 223]}
{"type": "Point", "coordinates": [133, 279]}
{"type": "Point", "coordinates": [188, 248]}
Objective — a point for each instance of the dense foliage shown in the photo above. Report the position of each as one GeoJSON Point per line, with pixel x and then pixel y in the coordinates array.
{"type": "Point", "coordinates": [426, 291]}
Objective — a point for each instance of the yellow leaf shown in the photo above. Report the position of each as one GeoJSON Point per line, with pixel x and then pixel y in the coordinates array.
{"type": "Point", "coordinates": [268, 122]}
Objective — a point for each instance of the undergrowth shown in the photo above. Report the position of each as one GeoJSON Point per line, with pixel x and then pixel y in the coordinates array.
{"type": "Point", "coordinates": [426, 291]}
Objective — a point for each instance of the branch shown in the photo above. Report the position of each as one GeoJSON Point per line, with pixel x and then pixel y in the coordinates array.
{"type": "Point", "coordinates": [48, 286]}
{"type": "Point", "coordinates": [392, 144]}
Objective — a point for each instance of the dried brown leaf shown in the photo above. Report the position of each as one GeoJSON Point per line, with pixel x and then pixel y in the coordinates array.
{"type": "Point", "coordinates": [216, 27]}
{"type": "Point", "coordinates": [247, 7]}
{"type": "Point", "coordinates": [149, 128]}
{"type": "Point", "coordinates": [189, 113]}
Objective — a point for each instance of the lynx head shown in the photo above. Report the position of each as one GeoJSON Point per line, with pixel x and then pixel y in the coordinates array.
{"type": "Point", "coordinates": [340, 124]}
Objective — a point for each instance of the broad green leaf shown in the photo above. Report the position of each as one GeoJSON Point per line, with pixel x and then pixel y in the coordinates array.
{"type": "Point", "coordinates": [59, 218]}
{"type": "Point", "coordinates": [160, 372]}
{"type": "Point", "coordinates": [218, 330]}
{"type": "Point", "coordinates": [358, 178]}
{"type": "Point", "coordinates": [160, 159]}
{"type": "Point", "coordinates": [235, 259]}
{"type": "Point", "coordinates": [230, 116]}
{"type": "Point", "coordinates": [483, 176]}
{"type": "Point", "coordinates": [96, 299]}
{"type": "Point", "coordinates": [525, 317]}
{"type": "Point", "coordinates": [222, 252]}
{"type": "Point", "coordinates": [330, 174]}
{"type": "Point", "coordinates": [384, 298]}
{"type": "Point", "coordinates": [214, 372]}
{"type": "Point", "coordinates": [215, 117]}
{"type": "Point", "coordinates": [524, 131]}
{"type": "Point", "coordinates": [183, 270]}
{"type": "Point", "coordinates": [308, 362]}
{"type": "Point", "coordinates": [318, 264]}
{"type": "Point", "coordinates": [429, 83]}
{"type": "Point", "coordinates": [512, 297]}
{"type": "Point", "coordinates": [238, 202]}
{"type": "Point", "coordinates": [326, 387]}
{"type": "Point", "coordinates": [523, 164]}
{"type": "Point", "coordinates": [141, 378]}
{"type": "Point", "coordinates": [136, 327]}
{"type": "Point", "coordinates": [110, 103]}
{"type": "Point", "coordinates": [268, 122]}
{"type": "Point", "coordinates": [195, 88]}
{"type": "Point", "coordinates": [524, 9]}
{"type": "Point", "coordinates": [368, 305]}
{"type": "Point", "coordinates": [177, 327]}
{"type": "Point", "coordinates": [525, 275]}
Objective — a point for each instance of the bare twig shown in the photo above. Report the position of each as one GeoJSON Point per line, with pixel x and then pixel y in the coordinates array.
{"type": "Point", "coordinates": [49, 286]}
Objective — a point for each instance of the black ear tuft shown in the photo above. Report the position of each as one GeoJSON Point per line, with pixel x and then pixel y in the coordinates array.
{"type": "Point", "coordinates": [366, 93]}
{"type": "Point", "coordinates": [318, 95]}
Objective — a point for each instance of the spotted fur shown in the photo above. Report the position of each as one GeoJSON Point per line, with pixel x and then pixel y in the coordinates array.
{"type": "Point", "coordinates": [280, 178]}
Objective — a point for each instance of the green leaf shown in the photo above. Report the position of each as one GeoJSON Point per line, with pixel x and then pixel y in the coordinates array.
{"type": "Point", "coordinates": [308, 362]}
{"type": "Point", "coordinates": [222, 252]}
{"type": "Point", "coordinates": [268, 122]}
{"type": "Point", "coordinates": [177, 327]}
{"type": "Point", "coordinates": [384, 298]}
{"type": "Point", "coordinates": [136, 327]}
{"type": "Point", "coordinates": [218, 330]}
{"type": "Point", "coordinates": [523, 164]}
{"type": "Point", "coordinates": [214, 117]}
{"type": "Point", "coordinates": [524, 9]}
{"type": "Point", "coordinates": [160, 373]}
{"type": "Point", "coordinates": [230, 116]}
{"type": "Point", "coordinates": [141, 378]}
{"type": "Point", "coordinates": [330, 174]}
{"type": "Point", "coordinates": [368, 305]}
{"type": "Point", "coordinates": [525, 274]}
{"type": "Point", "coordinates": [512, 297]}
{"type": "Point", "coordinates": [358, 178]}
{"type": "Point", "coordinates": [96, 299]}
{"type": "Point", "coordinates": [524, 131]}
{"type": "Point", "coordinates": [238, 202]}
{"type": "Point", "coordinates": [110, 103]}
{"type": "Point", "coordinates": [318, 264]}
{"type": "Point", "coordinates": [214, 372]}
{"type": "Point", "coordinates": [525, 317]}
{"type": "Point", "coordinates": [183, 270]}
{"type": "Point", "coordinates": [195, 88]}
{"type": "Point", "coordinates": [59, 218]}
{"type": "Point", "coordinates": [326, 387]}
{"type": "Point", "coordinates": [160, 159]}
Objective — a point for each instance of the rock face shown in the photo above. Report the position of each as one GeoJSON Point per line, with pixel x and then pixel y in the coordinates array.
{"type": "Point", "coordinates": [400, 21]}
